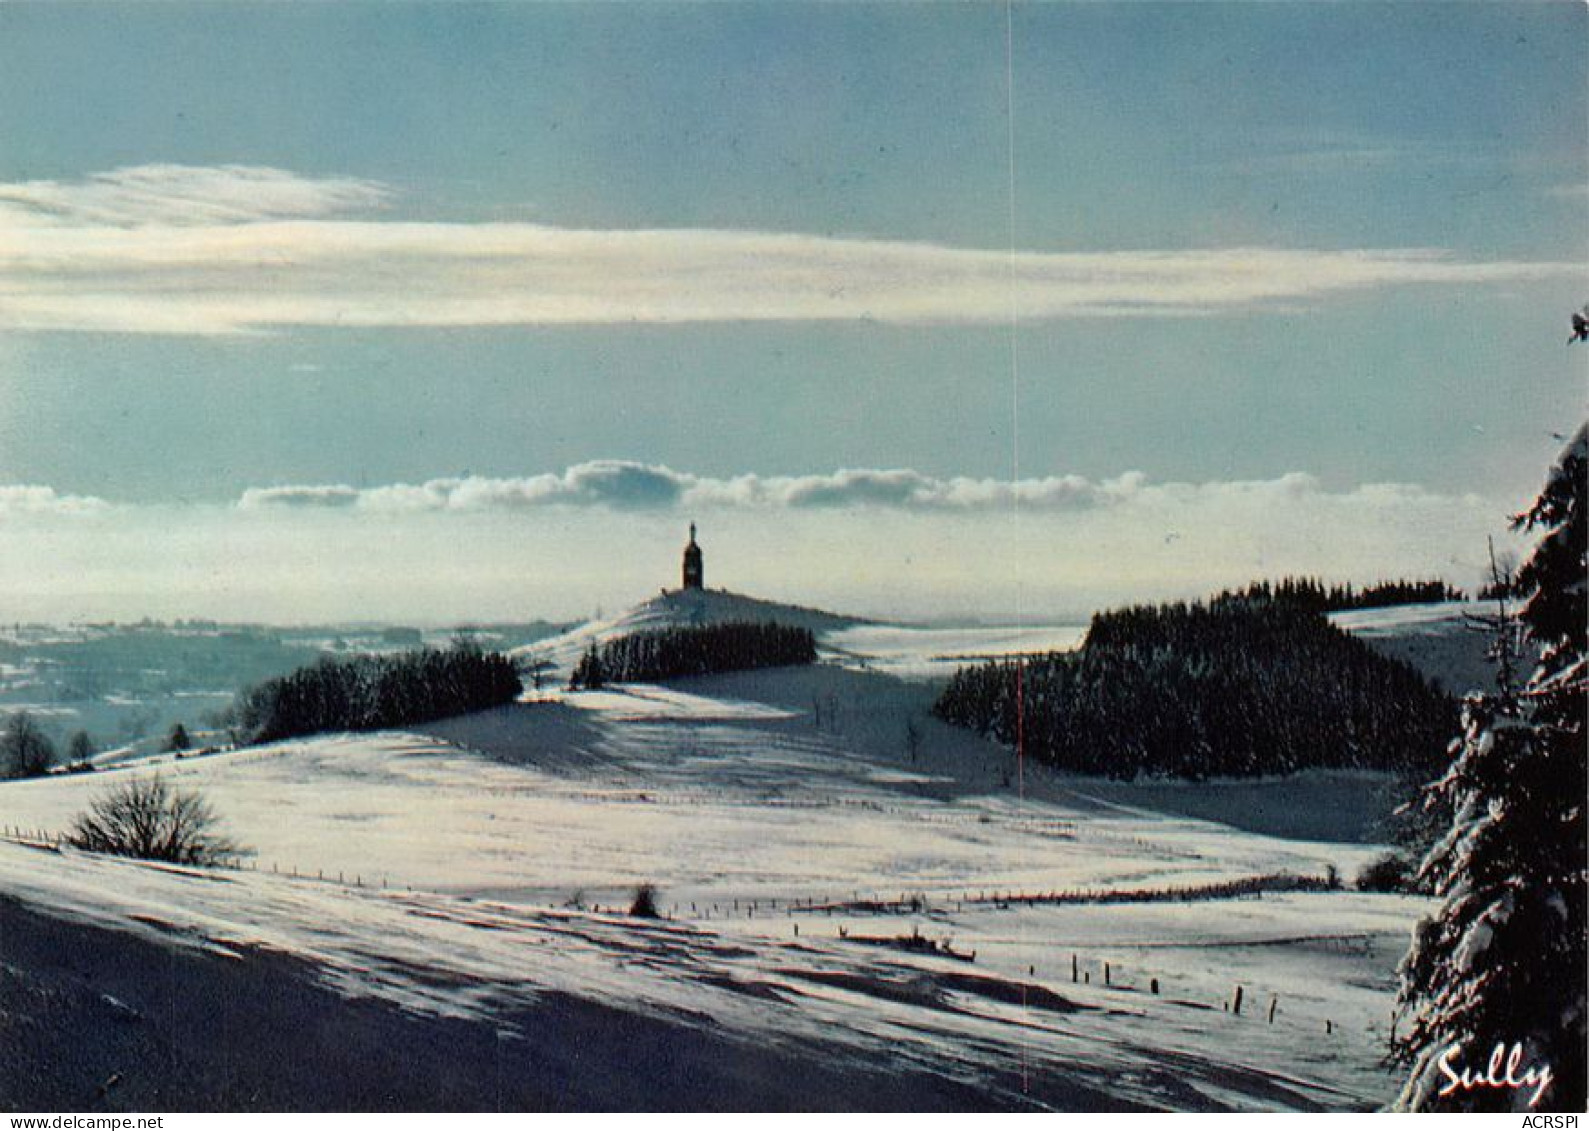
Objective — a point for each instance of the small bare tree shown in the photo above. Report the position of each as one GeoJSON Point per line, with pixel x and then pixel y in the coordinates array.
{"type": "Point", "coordinates": [536, 667]}
{"type": "Point", "coordinates": [1504, 629]}
{"type": "Point", "coordinates": [912, 740]}
{"type": "Point", "coordinates": [79, 749]}
{"type": "Point", "coordinates": [151, 820]}
{"type": "Point", "coordinates": [25, 750]}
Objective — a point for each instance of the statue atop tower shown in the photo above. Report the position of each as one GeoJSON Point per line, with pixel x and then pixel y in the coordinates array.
{"type": "Point", "coordinates": [694, 569]}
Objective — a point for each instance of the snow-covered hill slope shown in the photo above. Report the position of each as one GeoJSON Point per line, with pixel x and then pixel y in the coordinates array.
{"type": "Point", "coordinates": [795, 822]}
{"type": "Point", "coordinates": [1439, 640]}
{"type": "Point", "coordinates": [563, 999]}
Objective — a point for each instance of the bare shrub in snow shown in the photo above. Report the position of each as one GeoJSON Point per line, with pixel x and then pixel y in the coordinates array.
{"type": "Point", "coordinates": [1388, 872]}
{"type": "Point", "coordinates": [645, 902]}
{"type": "Point", "coordinates": [151, 820]}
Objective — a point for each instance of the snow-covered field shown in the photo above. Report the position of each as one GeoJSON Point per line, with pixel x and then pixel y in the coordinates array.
{"type": "Point", "coordinates": [800, 825]}
{"type": "Point", "coordinates": [935, 653]}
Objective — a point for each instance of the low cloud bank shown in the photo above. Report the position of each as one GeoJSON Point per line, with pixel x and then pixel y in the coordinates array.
{"type": "Point", "coordinates": [628, 485]}
{"type": "Point", "coordinates": [901, 545]}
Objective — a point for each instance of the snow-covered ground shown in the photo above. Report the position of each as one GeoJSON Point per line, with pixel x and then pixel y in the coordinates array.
{"type": "Point", "coordinates": [934, 653]}
{"type": "Point", "coordinates": [1442, 641]}
{"type": "Point", "coordinates": [795, 823]}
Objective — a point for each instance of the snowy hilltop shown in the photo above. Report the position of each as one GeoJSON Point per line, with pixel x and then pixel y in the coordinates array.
{"type": "Point", "coordinates": [674, 608]}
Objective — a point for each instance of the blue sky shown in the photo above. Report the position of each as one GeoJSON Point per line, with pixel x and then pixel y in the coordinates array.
{"type": "Point", "coordinates": [370, 246]}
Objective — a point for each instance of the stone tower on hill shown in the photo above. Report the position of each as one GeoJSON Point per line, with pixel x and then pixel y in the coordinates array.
{"type": "Point", "coordinates": [694, 569]}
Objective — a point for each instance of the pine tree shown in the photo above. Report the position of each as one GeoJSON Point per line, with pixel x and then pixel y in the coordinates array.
{"type": "Point", "coordinates": [1502, 963]}
{"type": "Point", "coordinates": [589, 673]}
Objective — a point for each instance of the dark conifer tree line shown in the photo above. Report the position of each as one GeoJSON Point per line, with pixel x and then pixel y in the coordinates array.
{"type": "Point", "coordinates": [376, 692]}
{"type": "Point", "coordinates": [1241, 685]}
{"type": "Point", "coordinates": [1311, 593]}
{"type": "Point", "coordinates": [666, 653]}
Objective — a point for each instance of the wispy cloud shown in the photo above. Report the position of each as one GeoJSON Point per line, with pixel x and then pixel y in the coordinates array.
{"type": "Point", "coordinates": [625, 485]}
{"type": "Point", "coordinates": [1294, 152]}
{"type": "Point", "coordinates": [235, 250]}
{"type": "Point", "coordinates": [21, 499]}
{"type": "Point", "coordinates": [1333, 160]}
{"type": "Point", "coordinates": [184, 195]}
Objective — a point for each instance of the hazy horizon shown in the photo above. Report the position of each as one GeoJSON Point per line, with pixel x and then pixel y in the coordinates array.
{"type": "Point", "coordinates": [436, 569]}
